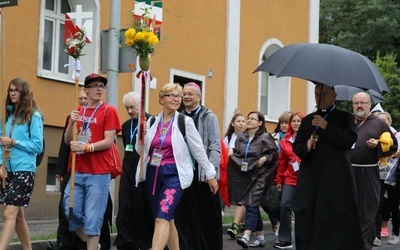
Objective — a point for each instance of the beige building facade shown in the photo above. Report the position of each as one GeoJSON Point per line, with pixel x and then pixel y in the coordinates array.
{"type": "Point", "coordinates": [218, 44]}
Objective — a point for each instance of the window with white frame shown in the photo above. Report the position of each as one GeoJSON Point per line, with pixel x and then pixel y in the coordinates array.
{"type": "Point", "coordinates": [51, 56]}
{"type": "Point", "coordinates": [274, 93]}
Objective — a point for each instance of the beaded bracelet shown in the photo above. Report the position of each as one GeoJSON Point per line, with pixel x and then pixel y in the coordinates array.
{"type": "Point", "coordinates": [87, 147]}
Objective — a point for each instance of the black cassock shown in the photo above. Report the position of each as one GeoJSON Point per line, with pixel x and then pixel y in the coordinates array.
{"type": "Point", "coordinates": [135, 223]}
{"type": "Point", "coordinates": [325, 203]}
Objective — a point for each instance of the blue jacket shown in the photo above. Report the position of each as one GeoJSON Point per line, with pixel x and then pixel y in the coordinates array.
{"type": "Point", "coordinates": [28, 142]}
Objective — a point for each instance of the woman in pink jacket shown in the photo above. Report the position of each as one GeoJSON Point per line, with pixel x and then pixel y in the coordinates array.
{"type": "Point", "coordinates": [286, 181]}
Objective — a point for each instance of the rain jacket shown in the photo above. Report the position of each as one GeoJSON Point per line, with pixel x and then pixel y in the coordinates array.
{"type": "Point", "coordinates": [249, 188]}
{"type": "Point", "coordinates": [285, 173]}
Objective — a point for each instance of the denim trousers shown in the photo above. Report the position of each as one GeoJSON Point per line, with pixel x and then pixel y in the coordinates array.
{"type": "Point", "coordinates": [90, 202]}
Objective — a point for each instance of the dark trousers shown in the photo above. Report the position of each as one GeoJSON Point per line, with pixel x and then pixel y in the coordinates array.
{"type": "Point", "coordinates": [253, 220]}
{"type": "Point", "coordinates": [388, 206]}
{"type": "Point", "coordinates": [286, 209]}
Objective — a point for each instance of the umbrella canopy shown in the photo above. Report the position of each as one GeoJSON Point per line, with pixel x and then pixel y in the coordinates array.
{"type": "Point", "coordinates": [325, 63]}
{"type": "Point", "coordinates": [346, 93]}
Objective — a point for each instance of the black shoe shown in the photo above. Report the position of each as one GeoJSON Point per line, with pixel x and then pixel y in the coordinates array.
{"type": "Point", "coordinates": [283, 245]}
{"type": "Point", "coordinates": [56, 246]}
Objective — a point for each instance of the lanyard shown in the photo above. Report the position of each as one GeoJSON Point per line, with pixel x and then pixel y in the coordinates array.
{"type": "Point", "coordinates": [162, 136]}
{"type": "Point", "coordinates": [247, 147]}
{"type": "Point", "coordinates": [317, 127]}
{"type": "Point", "coordinates": [87, 124]}
{"type": "Point", "coordinates": [196, 113]}
{"type": "Point", "coordinates": [134, 131]}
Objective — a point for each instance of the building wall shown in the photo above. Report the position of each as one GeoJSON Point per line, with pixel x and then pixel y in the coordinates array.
{"type": "Point", "coordinates": [194, 41]}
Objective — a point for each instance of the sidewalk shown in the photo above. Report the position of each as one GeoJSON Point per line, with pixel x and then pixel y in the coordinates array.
{"type": "Point", "coordinates": [47, 228]}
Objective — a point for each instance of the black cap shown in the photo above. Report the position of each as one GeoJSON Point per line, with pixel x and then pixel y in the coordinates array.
{"type": "Point", "coordinates": [94, 77]}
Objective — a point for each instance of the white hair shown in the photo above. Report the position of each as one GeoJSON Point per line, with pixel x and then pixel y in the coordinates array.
{"type": "Point", "coordinates": [132, 95]}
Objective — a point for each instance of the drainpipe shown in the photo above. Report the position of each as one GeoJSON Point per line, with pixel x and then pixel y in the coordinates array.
{"type": "Point", "coordinates": [112, 67]}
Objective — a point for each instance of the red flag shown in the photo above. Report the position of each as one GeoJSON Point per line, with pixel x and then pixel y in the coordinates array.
{"type": "Point", "coordinates": [71, 29]}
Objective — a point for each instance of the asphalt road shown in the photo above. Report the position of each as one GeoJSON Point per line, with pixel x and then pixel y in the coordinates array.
{"type": "Point", "coordinates": [49, 227]}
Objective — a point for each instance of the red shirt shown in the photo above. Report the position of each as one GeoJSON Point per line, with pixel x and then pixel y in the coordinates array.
{"type": "Point", "coordinates": [105, 118]}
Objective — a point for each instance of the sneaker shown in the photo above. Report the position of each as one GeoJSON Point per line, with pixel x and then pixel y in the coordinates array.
{"type": "Point", "coordinates": [385, 232]}
{"type": "Point", "coordinates": [393, 240]}
{"type": "Point", "coordinates": [283, 245]}
{"type": "Point", "coordinates": [233, 230]}
{"type": "Point", "coordinates": [243, 242]}
{"type": "Point", "coordinates": [241, 228]}
{"type": "Point", "coordinates": [257, 243]}
{"type": "Point", "coordinates": [377, 242]}
{"type": "Point", "coordinates": [99, 247]}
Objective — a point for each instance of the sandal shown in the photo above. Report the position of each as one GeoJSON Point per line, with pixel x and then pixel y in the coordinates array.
{"type": "Point", "coordinates": [257, 243]}
{"type": "Point", "coordinates": [243, 242]}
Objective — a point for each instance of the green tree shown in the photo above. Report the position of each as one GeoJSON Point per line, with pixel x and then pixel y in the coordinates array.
{"type": "Point", "coordinates": [387, 65]}
{"type": "Point", "coordinates": [364, 26]}
{"type": "Point", "coordinates": [369, 27]}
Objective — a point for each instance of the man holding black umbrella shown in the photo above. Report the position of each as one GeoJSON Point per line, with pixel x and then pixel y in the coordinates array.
{"type": "Point", "coordinates": [325, 202]}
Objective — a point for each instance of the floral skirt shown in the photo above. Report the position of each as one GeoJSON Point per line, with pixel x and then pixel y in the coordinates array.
{"type": "Point", "coordinates": [19, 187]}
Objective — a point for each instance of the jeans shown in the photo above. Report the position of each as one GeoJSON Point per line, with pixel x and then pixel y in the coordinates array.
{"type": "Point", "coordinates": [90, 202]}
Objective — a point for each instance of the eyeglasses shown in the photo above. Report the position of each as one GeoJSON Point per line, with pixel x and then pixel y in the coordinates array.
{"type": "Point", "coordinates": [252, 119]}
{"type": "Point", "coordinates": [96, 86]}
{"type": "Point", "coordinates": [360, 103]}
{"type": "Point", "coordinates": [173, 96]}
{"type": "Point", "coordinates": [12, 91]}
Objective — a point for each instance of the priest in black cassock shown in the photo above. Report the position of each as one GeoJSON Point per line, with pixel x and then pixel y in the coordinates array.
{"type": "Point", "coordinates": [135, 223]}
{"type": "Point", "coordinates": [325, 203]}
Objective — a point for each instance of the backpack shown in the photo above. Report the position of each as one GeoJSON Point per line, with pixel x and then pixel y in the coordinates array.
{"type": "Point", "coordinates": [39, 157]}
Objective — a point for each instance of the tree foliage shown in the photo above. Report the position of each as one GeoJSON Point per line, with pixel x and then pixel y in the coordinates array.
{"type": "Point", "coordinates": [365, 26]}
{"type": "Point", "coordinates": [369, 27]}
{"type": "Point", "coordinates": [387, 65]}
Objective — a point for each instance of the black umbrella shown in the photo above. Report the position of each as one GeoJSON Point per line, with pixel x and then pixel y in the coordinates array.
{"type": "Point", "coordinates": [325, 63]}
{"type": "Point", "coordinates": [346, 93]}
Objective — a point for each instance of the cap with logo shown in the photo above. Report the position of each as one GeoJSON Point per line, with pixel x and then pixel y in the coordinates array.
{"type": "Point", "coordinates": [94, 77]}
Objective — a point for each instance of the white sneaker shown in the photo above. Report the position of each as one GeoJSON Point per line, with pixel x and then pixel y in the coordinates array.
{"type": "Point", "coordinates": [99, 247]}
{"type": "Point", "coordinates": [377, 242]}
{"type": "Point", "coordinates": [393, 240]}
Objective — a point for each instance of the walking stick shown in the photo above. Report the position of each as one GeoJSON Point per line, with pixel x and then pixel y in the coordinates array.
{"type": "Point", "coordinates": [74, 129]}
{"type": "Point", "coordinates": [3, 87]}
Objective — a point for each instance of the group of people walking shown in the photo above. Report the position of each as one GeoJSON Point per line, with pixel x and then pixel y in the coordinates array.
{"type": "Point", "coordinates": [333, 172]}
{"type": "Point", "coordinates": [328, 171]}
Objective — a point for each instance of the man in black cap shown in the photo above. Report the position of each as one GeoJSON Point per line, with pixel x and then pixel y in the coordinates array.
{"type": "Point", "coordinates": [67, 240]}
{"type": "Point", "coordinates": [97, 124]}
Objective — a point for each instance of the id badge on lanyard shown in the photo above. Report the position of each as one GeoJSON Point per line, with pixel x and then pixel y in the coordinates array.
{"type": "Point", "coordinates": [129, 148]}
{"type": "Point", "coordinates": [156, 158]}
{"type": "Point", "coordinates": [245, 165]}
